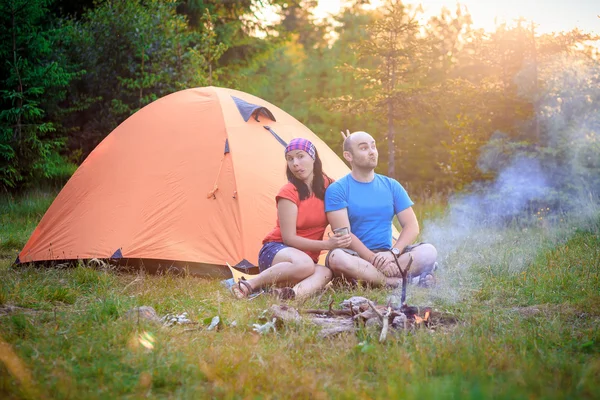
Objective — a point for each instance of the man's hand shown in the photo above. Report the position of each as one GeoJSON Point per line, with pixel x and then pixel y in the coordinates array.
{"type": "Point", "coordinates": [385, 263]}
{"type": "Point", "coordinates": [345, 135]}
{"type": "Point", "coordinates": [390, 269]}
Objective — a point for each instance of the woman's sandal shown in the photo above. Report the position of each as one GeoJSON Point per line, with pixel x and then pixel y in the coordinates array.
{"type": "Point", "coordinates": [238, 292]}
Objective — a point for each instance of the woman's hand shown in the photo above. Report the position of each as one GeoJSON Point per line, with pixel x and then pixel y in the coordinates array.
{"type": "Point", "coordinates": [338, 242]}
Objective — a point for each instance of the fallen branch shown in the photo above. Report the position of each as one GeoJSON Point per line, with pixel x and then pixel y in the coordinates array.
{"type": "Point", "coordinates": [386, 325]}
{"type": "Point", "coordinates": [376, 311]}
{"type": "Point", "coordinates": [345, 313]}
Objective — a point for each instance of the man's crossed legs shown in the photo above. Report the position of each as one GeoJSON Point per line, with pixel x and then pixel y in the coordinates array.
{"type": "Point", "coordinates": [347, 264]}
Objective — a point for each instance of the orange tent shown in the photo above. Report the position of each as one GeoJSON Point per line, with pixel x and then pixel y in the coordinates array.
{"type": "Point", "coordinates": [190, 178]}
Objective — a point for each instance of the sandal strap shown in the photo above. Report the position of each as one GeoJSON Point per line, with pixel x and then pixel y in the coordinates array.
{"type": "Point", "coordinates": [238, 287]}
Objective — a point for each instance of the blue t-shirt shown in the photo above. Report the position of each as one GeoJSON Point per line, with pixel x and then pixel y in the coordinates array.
{"type": "Point", "coordinates": [371, 207]}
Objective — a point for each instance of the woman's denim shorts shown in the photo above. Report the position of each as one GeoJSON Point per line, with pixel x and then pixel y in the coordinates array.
{"type": "Point", "coordinates": [267, 253]}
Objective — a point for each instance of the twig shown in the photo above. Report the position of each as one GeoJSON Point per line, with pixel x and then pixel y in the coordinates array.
{"type": "Point", "coordinates": [328, 312]}
{"type": "Point", "coordinates": [386, 325]}
{"type": "Point", "coordinates": [191, 330]}
{"type": "Point", "coordinates": [376, 311]}
{"type": "Point", "coordinates": [404, 278]}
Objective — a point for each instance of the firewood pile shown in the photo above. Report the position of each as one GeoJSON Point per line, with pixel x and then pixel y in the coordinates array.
{"type": "Point", "coordinates": [357, 312]}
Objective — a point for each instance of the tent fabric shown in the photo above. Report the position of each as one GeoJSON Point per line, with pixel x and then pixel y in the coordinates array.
{"type": "Point", "coordinates": [248, 110]}
{"type": "Point", "coordinates": [161, 187]}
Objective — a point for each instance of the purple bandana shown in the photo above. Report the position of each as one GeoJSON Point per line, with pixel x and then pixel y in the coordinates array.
{"type": "Point", "coordinates": [301, 144]}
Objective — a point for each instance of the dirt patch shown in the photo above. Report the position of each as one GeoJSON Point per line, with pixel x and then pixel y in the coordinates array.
{"type": "Point", "coordinates": [8, 309]}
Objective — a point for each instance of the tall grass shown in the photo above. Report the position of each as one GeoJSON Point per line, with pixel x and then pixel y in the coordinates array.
{"type": "Point", "coordinates": [521, 334]}
{"type": "Point", "coordinates": [19, 216]}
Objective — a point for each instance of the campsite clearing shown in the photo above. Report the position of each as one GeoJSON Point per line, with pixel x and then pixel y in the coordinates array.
{"type": "Point", "coordinates": [533, 334]}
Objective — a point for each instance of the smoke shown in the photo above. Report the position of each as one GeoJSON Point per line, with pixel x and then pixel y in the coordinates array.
{"type": "Point", "coordinates": [541, 195]}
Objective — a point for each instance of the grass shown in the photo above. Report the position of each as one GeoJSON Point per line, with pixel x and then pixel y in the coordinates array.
{"type": "Point", "coordinates": [19, 216]}
{"type": "Point", "coordinates": [521, 334]}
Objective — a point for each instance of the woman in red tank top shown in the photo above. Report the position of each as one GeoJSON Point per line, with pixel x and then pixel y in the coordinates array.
{"type": "Point", "coordinates": [290, 252]}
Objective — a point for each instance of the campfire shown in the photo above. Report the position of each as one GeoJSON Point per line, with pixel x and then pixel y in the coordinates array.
{"type": "Point", "coordinates": [357, 312]}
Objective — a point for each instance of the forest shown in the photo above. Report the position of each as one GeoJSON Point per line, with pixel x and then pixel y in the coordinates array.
{"type": "Point", "coordinates": [450, 105]}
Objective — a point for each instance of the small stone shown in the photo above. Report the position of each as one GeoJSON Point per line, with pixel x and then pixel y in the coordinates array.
{"type": "Point", "coordinates": [355, 301]}
{"type": "Point", "coordinates": [285, 313]}
{"type": "Point", "coordinates": [399, 321]}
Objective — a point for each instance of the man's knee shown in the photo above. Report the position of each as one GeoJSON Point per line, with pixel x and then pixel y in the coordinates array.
{"type": "Point", "coordinates": [426, 254]}
{"type": "Point", "coordinates": [335, 260]}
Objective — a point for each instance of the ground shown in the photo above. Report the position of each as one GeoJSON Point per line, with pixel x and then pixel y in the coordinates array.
{"type": "Point", "coordinates": [528, 333]}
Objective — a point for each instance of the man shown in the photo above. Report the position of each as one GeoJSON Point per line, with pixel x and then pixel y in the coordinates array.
{"type": "Point", "coordinates": [367, 202]}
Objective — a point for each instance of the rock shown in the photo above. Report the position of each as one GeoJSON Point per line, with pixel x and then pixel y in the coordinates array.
{"type": "Point", "coordinates": [335, 330]}
{"type": "Point", "coordinates": [399, 321]}
{"type": "Point", "coordinates": [143, 313]}
{"type": "Point", "coordinates": [176, 319]}
{"type": "Point", "coordinates": [285, 313]}
{"type": "Point", "coordinates": [355, 301]}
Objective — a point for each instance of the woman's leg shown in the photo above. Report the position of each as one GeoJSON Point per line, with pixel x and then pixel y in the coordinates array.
{"type": "Point", "coordinates": [289, 267]}
{"type": "Point", "coordinates": [314, 282]}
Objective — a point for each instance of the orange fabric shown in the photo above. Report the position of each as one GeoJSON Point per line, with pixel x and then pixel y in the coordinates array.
{"type": "Point", "coordinates": [160, 186]}
{"type": "Point", "coordinates": [144, 188]}
{"type": "Point", "coordinates": [311, 221]}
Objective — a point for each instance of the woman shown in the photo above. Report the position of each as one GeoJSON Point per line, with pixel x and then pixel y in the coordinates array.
{"type": "Point", "coordinates": [291, 251]}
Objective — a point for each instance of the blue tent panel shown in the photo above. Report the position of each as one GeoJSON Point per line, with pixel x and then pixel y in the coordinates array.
{"type": "Point", "coordinates": [248, 110]}
{"type": "Point", "coordinates": [117, 254]}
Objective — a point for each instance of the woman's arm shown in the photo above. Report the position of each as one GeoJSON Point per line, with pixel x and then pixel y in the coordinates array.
{"type": "Point", "coordinates": [287, 211]}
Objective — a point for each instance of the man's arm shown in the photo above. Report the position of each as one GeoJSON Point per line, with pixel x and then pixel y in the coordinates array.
{"type": "Point", "coordinates": [410, 228]}
{"type": "Point", "coordinates": [339, 219]}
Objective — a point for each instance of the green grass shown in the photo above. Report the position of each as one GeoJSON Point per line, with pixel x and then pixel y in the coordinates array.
{"type": "Point", "coordinates": [526, 333]}
{"type": "Point", "coordinates": [19, 216]}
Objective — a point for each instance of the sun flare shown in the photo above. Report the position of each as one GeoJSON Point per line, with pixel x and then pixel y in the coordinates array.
{"type": "Point", "coordinates": [550, 16]}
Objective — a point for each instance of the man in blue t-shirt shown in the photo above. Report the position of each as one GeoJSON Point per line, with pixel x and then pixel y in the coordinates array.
{"type": "Point", "coordinates": [367, 202]}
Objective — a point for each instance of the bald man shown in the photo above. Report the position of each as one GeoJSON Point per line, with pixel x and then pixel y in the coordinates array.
{"type": "Point", "coordinates": [367, 202]}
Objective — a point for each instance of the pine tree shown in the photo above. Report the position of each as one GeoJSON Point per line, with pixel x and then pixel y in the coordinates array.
{"type": "Point", "coordinates": [34, 80]}
{"type": "Point", "coordinates": [394, 75]}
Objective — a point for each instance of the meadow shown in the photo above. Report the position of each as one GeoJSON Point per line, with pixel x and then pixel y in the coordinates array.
{"type": "Point", "coordinates": [531, 332]}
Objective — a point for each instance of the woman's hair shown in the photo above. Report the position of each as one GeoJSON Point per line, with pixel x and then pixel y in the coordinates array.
{"type": "Point", "coordinates": [318, 183]}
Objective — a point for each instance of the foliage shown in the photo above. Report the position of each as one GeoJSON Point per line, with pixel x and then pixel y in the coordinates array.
{"type": "Point", "coordinates": [434, 95]}
{"type": "Point", "coordinates": [152, 52]}
{"type": "Point", "coordinates": [35, 77]}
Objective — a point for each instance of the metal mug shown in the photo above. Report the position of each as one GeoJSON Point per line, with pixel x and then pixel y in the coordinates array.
{"type": "Point", "coordinates": [340, 231]}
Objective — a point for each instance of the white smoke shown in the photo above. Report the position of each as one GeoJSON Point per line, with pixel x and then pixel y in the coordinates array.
{"type": "Point", "coordinates": [541, 195]}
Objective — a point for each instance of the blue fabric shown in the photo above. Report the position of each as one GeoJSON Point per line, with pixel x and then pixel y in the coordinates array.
{"type": "Point", "coordinates": [117, 254]}
{"type": "Point", "coordinates": [371, 207]}
{"type": "Point", "coordinates": [248, 109]}
{"type": "Point", "coordinates": [275, 135]}
{"type": "Point", "coordinates": [267, 253]}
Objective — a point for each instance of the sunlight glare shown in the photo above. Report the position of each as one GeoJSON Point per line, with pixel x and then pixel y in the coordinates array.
{"type": "Point", "coordinates": [551, 16]}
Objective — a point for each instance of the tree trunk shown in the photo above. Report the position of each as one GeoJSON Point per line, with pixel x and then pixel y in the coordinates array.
{"type": "Point", "coordinates": [535, 87]}
{"type": "Point", "coordinates": [143, 73]}
{"type": "Point", "coordinates": [391, 133]}
{"type": "Point", "coordinates": [18, 129]}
